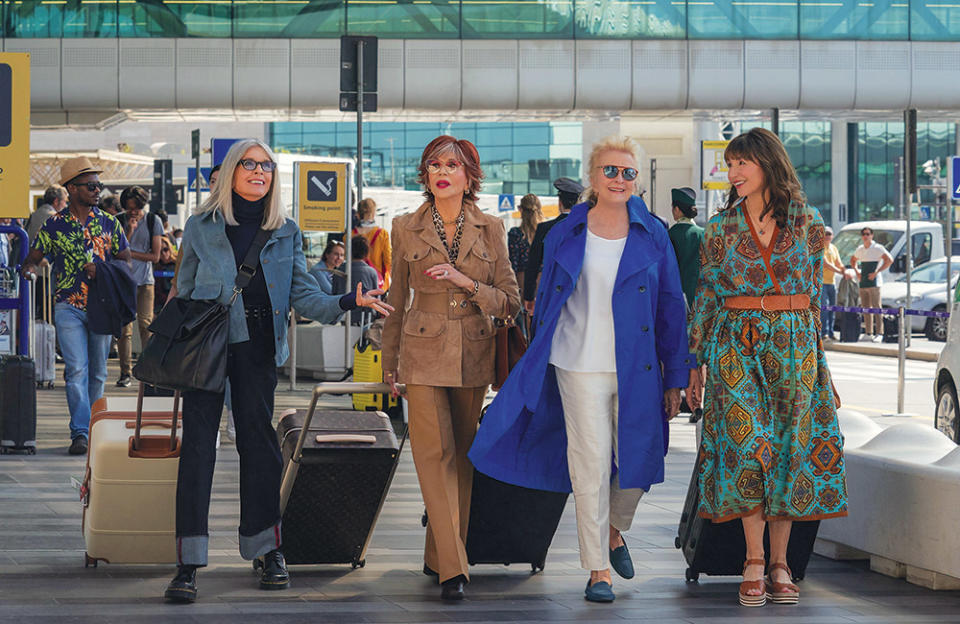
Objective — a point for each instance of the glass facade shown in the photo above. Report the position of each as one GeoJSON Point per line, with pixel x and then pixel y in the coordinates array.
{"type": "Point", "coordinates": [879, 146]}
{"type": "Point", "coordinates": [517, 158]}
{"type": "Point", "coordinates": [921, 20]}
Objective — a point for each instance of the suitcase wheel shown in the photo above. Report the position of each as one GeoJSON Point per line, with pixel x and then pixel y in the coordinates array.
{"type": "Point", "coordinates": [692, 576]}
{"type": "Point", "coordinates": [50, 385]}
{"type": "Point", "coordinates": [677, 542]}
{"type": "Point", "coordinates": [536, 567]}
{"type": "Point", "coordinates": [358, 564]}
{"type": "Point", "coordinates": [89, 561]}
{"type": "Point", "coordinates": [32, 450]}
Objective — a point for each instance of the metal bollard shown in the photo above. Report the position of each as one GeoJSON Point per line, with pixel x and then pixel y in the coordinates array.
{"type": "Point", "coordinates": [901, 359]}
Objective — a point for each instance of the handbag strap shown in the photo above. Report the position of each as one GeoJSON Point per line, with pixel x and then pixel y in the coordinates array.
{"type": "Point", "coordinates": [248, 268]}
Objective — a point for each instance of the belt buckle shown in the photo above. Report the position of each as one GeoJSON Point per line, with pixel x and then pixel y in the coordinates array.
{"type": "Point", "coordinates": [762, 306]}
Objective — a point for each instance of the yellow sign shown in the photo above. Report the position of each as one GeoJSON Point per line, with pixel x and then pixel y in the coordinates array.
{"type": "Point", "coordinates": [713, 168]}
{"type": "Point", "coordinates": [14, 134]}
{"type": "Point", "coordinates": [322, 196]}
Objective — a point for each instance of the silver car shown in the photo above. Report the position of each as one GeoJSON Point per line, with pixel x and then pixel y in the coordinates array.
{"type": "Point", "coordinates": [928, 291]}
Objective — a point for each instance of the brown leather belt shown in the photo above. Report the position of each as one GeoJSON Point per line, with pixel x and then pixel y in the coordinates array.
{"type": "Point", "coordinates": [768, 303]}
{"type": "Point", "coordinates": [453, 304]}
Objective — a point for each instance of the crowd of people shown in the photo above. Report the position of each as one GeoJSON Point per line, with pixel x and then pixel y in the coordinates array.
{"type": "Point", "coordinates": [625, 316]}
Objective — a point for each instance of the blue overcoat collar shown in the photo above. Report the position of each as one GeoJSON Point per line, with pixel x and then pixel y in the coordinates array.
{"type": "Point", "coordinates": [571, 248]}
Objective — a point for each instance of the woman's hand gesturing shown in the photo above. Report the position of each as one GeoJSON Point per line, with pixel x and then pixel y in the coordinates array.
{"type": "Point", "coordinates": [369, 300]}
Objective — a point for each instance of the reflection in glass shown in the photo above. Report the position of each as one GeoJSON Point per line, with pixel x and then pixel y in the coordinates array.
{"type": "Point", "coordinates": [175, 18]}
{"type": "Point", "coordinates": [517, 18]}
{"type": "Point", "coordinates": [288, 18]}
{"type": "Point", "coordinates": [854, 19]}
{"type": "Point", "coordinates": [410, 19]}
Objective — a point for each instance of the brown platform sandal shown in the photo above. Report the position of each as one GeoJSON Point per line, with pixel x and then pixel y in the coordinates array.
{"type": "Point", "coordinates": [781, 593]}
{"type": "Point", "coordinates": [746, 599]}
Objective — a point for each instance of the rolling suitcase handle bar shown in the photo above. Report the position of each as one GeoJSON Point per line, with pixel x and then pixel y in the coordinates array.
{"type": "Point", "coordinates": [173, 426]}
{"type": "Point", "coordinates": [335, 387]}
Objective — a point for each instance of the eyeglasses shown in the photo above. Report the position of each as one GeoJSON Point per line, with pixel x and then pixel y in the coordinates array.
{"type": "Point", "coordinates": [435, 166]}
{"type": "Point", "coordinates": [611, 171]}
{"type": "Point", "coordinates": [90, 186]}
{"type": "Point", "coordinates": [865, 234]}
{"type": "Point", "coordinates": [250, 165]}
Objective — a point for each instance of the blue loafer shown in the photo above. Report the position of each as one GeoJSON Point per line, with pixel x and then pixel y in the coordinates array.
{"type": "Point", "coordinates": [621, 561]}
{"type": "Point", "coordinates": [599, 592]}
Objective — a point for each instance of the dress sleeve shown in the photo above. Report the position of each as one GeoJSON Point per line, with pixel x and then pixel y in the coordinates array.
{"type": "Point", "coordinates": [815, 247]}
{"type": "Point", "coordinates": [705, 301]}
{"type": "Point", "coordinates": [514, 237]}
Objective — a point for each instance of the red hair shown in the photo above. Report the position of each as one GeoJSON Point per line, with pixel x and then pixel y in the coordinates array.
{"type": "Point", "coordinates": [465, 151]}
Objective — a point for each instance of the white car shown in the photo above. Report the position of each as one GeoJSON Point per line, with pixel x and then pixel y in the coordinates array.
{"type": "Point", "coordinates": [947, 416]}
{"type": "Point", "coordinates": [928, 291]}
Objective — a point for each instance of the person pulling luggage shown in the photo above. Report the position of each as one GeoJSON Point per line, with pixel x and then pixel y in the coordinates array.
{"type": "Point", "coordinates": [771, 451]}
{"type": "Point", "coordinates": [602, 377]}
{"type": "Point", "coordinates": [455, 260]}
{"type": "Point", "coordinates": [244, 201]}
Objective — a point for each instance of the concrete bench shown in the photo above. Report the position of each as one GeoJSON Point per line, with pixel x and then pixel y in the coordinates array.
{"type": "Point", "coordinates": [903, 484]}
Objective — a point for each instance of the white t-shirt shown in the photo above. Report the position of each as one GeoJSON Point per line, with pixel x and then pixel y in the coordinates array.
{"type": "Point", "coordinates": [584, 339]}
{"type": "Point", "coordinates": [874, 253]}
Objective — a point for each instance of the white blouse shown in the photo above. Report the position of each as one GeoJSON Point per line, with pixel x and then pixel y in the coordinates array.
{"type": "Point", "coordinates": [584, 339]}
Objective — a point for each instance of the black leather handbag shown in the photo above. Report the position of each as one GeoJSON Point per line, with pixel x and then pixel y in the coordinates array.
{"type": "Point", "coordinates": [188, 348]}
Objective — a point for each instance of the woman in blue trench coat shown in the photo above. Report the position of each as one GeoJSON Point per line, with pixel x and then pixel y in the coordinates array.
{"type": "Point", "coordinates": [587, 408]}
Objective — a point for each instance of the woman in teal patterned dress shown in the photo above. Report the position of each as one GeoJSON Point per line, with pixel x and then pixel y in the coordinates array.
{"type": "Point", "coordinates": [772, 449]}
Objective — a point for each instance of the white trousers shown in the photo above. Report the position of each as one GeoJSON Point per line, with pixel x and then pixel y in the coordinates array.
{"type": "Point", "coordinates": [590, 411]}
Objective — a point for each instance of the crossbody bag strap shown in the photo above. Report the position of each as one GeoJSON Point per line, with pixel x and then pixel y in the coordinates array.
{"type": "Point", "coordinates": [248, 268]}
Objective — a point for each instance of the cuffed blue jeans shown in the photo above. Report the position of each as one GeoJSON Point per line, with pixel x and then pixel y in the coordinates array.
{"type": "Point", "coordinates": [85, 364]}
{"type": "Point", "coordinates": [828, 297]}
{"type": "Point", "coordinates": [252, 372]}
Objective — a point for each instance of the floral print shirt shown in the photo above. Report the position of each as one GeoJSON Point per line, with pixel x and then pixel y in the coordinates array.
{"type": "Point", "coordinates": [72, 244]}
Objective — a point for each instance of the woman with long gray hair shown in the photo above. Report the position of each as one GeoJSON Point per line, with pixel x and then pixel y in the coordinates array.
{"type": "Point", "coordinates": [244, 200]}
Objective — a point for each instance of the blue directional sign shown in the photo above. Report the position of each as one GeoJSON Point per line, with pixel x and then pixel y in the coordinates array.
{"type": "Point", "coordinates": [955, 178]}
{"type": "Point", "coordinates": [204, 179]}
{"type": "Point", "coordinates": [505, 203]}
{"type": "Point", "coordinates": [219, 149]}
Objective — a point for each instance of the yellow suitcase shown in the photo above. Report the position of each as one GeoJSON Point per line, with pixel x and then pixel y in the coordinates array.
{"type": "Point", "coordinates": [367, 367]}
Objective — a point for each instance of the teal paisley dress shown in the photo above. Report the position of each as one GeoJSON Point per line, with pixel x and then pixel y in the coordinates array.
{"type": "Point", "coordinates": [771, 442]}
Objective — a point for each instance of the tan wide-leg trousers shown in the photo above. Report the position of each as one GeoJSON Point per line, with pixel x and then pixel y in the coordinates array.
{"type": "Point", "coordinates": [443, 423]}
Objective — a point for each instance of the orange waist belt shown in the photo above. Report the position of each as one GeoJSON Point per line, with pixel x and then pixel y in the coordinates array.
{"type": "Point", "coordinates": [768, 303]}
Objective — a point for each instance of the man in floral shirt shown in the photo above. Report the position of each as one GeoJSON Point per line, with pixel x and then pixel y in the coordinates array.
{"type": "Point", "coordinates": [76, 239]}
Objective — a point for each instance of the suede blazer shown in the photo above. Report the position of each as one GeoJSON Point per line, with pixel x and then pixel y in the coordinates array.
{"type": "Point", "coordinates": [439, 334]}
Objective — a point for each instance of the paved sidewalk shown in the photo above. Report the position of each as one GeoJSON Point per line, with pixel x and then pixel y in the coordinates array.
{"type": "Point", "coordinates": [919, 348]}
{"type": "Point", "coordinates": [42, 578]}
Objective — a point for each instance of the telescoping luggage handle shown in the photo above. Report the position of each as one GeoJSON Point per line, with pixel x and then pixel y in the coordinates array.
{"type": "Point", "coordinates": [337, 387]}
{"type": "Point", "coordinates": [173, 425]}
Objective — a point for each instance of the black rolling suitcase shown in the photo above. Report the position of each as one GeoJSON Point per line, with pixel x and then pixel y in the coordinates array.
{"type": "Point", "coordinates": [891, 328]}
{"type": "Point", "coordinates": [332, 493]}
{"type": "Point", "coordinates": [511, 524]}
{"type": "Point", "coordinates": [849, 327]}
{"type": "Point", "coordinates": [18, 404]}
{"type": "Point", "coordinates": [719, 549]}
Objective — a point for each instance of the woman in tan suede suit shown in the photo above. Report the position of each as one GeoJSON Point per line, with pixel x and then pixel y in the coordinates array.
{"type": "Point", "coordinates": [441, 344]}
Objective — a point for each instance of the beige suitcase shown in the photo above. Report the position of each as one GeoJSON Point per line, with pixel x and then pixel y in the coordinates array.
{"type": "Point", "coordinates": [130, 486]}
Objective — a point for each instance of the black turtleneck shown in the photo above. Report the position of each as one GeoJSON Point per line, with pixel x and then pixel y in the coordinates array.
{"type": "Point", "coordinates": [249, 216]}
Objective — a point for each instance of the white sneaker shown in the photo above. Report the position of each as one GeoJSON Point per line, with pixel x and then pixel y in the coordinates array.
{"type": "Point", "coordinates": [231, 428]}
{"type": "Point", "coordinates": [877, 338]}
{"type": "Point", "coordinates": [865, 338]}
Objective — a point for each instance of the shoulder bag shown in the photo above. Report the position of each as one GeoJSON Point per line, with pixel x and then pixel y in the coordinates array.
{"type": "Point", "coordinates": [188, 348]}
{"type": "Point", "coordinates": [511, 344]}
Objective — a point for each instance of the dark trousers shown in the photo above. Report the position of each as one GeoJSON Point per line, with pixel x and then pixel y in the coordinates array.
{"type": "Point", "coordinates": [252, 372]}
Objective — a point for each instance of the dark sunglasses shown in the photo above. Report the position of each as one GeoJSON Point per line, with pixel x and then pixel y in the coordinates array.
{"type": "Point", "coordinates": [250, 165]}
{"type": "Point", "coordinates": [91, 186]}
{"type": "Point", "coordinates": [611, 171]}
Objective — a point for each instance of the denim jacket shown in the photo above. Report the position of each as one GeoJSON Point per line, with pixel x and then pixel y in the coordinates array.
{"type": "Point", "coordinates": [208, 271]}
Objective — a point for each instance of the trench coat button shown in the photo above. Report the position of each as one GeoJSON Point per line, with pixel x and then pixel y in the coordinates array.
{"type": "Point", "coordinates": [463, 304]}
{"type": "Point", "coordinates": [541, 322]}
{"type": "Point", "coordinates": [482, 332]}
{"type": "Point", "coordinates": [647, 367]}
{"type": "Point", "coordinates": [421, 330]}
{"type": "Point", "coordinates": [559, 288]}
{"type": "Point", "coordinates": [414, 256]}
{"type": "Point", "coordinates": [642, 289]}
{"type": "Point", "coordinates": [645, 328]}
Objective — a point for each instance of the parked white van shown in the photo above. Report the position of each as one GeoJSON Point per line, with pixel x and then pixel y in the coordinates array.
{"type": "Point", "coordinates": [927, 242]}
